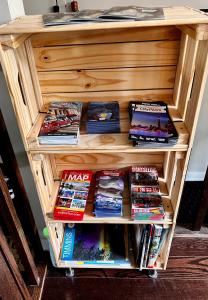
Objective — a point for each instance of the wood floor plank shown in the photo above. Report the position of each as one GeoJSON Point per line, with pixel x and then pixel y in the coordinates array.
{"type": "Point", "coordinates": [125, 289]}
{"type": "Point", "coordinates": [189, 246]}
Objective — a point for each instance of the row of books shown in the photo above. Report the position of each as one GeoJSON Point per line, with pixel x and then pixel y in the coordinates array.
{"type": "Point", "coordinates": [150, 123]}
{"type": "Point", "coordinates": [119, 13]}
{"type": "Point", "coordinates": [149, 240]}
{"type": "Point", "coordinates": [113, 244]}
{"type": "Point", "coordinates": [146, 203]}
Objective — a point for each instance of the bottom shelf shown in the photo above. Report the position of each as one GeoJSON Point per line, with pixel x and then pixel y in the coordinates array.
{"type": "Point", "coordinates": [110, 246]}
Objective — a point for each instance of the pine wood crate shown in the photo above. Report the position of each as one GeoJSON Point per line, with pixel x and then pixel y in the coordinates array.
{"type": "Point", "coordinates": [121, 61]}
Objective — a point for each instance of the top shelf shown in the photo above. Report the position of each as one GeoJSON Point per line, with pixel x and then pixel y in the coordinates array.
{"type": "Point", "coordinates": [173, 16]}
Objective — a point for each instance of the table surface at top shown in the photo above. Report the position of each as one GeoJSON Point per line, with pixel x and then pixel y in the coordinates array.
{"type": "Point", "coordinates": [173, 16]}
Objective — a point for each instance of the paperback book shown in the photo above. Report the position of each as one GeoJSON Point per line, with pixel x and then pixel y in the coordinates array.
{"type": "Point", "coordinates": [72, 195]}
{"type": "Point", "coordinates": [103, 117]}
{"type": "Point", "coordinates": [146, 201]}
{"type": "Point", "coordinates": [61, 124]}
{"type": "Point", "coordinates": [151, 123]}
{"type": "Point", "coordinates": [100, 244]}
{"type": "Point", "coordinates": [109, 193]}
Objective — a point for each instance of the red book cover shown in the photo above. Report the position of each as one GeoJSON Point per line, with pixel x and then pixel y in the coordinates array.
{"type": "Point", "coordinates": [72, 195]}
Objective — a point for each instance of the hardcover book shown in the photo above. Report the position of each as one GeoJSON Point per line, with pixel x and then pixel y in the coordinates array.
{"type": "Point", "coordinates": [90, 244]}
{"type": "Point", "coordinates": [72, 196]}
{"type": "Point", "coordinates": [61, 124]}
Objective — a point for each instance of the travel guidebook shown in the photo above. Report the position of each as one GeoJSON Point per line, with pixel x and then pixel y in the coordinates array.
{"type": "Point", "coordinates": [118, 13]}
{"type": "Point", "coordinates": [146, 201]}
{"type": "Point", "coordinates": [100, 244]}
{"type": "Point", "coordinates": [109, 193]}
{"type": "Point", "coordinates": [61, 124]}
{"type": "Point", "coordinates": [72, 195]}
{"type": "Point", "coordinates": [150, 123]}
{"type": "Point", "coordinates": [103, 117]}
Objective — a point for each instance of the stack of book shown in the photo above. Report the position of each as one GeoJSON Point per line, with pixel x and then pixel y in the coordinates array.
{"type": "Point", "coordinates": [103, 117]}
{"type": "Point", "coordinates": [149, 241]}
{"type": "Point", "coordinates": [101, 245]}
{"type": "Point", "coordinates": [146, 202]}
{"type": "Point", "coordinates": [109, 194]}
{"type": "Point", "coordinates": [72, 195]}
{"type": "Point", "coordinates": [61, 124]}
{"type": "Point", "coordinates": [151, 125]}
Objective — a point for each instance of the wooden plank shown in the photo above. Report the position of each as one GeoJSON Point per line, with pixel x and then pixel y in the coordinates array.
{"type": "Point", "coordinates": [187, 75]}
{"type": "Point", "coordinates": [11, 73]}
{"type": "Point", "coordinates": [123, 97]}
{"type": "Point", "coordinates": [98, 56]}
{"type": "Point", "coordinates": [33, 71]}
{"type": "Point", "coordinates": [27, 84]}
{"type": "Point", "coordinates": [105, 36]}
{"type": "Point", "coordinates": [171, 175]}
{"type": "Point", "coordinates": [12, 283]}
{"type": "Point", "coordinates": [108, 79]}
{"type": "Point", "coordinates": [191, 246]}
{"type": "Point", "coordinates": [173, 16]}
{"type": "Point", "coordinates": [197, 32]}
{"type": "Point", "coordinates": [11, 219]}
{"type": "Point", "coordinates": [201, 69]}
{"type": "Point", "coordinates": [36, 291]}
{"type": "Point", "coordinates": [180, 68]}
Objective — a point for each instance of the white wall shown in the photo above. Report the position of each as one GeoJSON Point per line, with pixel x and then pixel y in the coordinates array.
{"type": "Point", "coordinates": [43, 6]}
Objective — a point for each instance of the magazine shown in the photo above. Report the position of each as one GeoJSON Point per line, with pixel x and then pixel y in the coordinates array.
{"type": "Point", "coordinates": [61, 124]}
{"type": "Point", "coordinates": [90, 244]}
{"type": "Point", "coordinates": [120, 13]}
{"type": "Point", "coordinates": [72, 195]}
{"type": "Point", "coordinates": [150, 123]}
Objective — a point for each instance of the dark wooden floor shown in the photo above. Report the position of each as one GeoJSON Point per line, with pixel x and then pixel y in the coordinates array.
{"type": "Point", "coordinates": [186, 278]}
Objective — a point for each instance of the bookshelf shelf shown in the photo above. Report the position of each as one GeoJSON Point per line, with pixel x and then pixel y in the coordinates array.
{"type": "Point", "coordinates": [164, 60]}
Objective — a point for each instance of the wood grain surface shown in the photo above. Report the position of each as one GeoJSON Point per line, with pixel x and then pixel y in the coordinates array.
{"type": "Point", "coordinates": [116, 55]}
{"type": "Point", "coordinates": [107, 79]}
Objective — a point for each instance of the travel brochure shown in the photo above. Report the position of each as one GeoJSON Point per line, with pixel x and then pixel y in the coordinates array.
{"type": "Point", "coordinates": [114, 14]}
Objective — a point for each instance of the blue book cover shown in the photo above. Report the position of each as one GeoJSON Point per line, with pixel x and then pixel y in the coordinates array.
{"type": "Point", "coordinates": [94, 244]}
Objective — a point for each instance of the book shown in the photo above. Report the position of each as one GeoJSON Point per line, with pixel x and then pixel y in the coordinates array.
{"type": "Point", "coordinates": [90, 244]}
{"type": "Point", "coordinates": [155, 245]}
{"type": "Point", "coordinates": [72, 195]}
{"type": "Point", "coordinates": [109, 193]}
{"type": "Point", "coordinates": [150, 123]}
{"type": "Point", "coordinates": [148, 242]}
{"type": "Point", "coordinates": [103, 117]}
{"type": "Point", "coordinates": [120, 13]}
{"type": "Point", "coordinates": [61, 124]}
{"type": "Point", "coordinates": [146, 201]}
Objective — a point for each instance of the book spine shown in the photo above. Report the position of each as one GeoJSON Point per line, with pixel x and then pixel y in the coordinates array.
{"type": "Point", "coordinates": [154, 245]}
{"type": "Point", "coordinates": [68, 244]}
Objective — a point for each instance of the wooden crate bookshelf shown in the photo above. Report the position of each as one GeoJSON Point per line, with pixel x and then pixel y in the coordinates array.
{"type": "Point", "coordinates": [151, 60]}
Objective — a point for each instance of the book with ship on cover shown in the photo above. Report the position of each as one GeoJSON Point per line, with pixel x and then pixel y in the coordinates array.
{"type": "Point", "coordinates": [61, 124]}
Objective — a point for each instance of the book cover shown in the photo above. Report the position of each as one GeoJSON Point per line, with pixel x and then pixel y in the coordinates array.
{"type": "Point", "coordinates": [150, 229]}
{"type": "Point", "coordinates": [72, 195]}
{"type": "Point", "coordinates": [90, 244]}
{"type": "Point", "coordinates": [61, 123]}
{"type": "Point", "coordinates": [154, 246]}
{"type": "Point", "coordinates": [150, 122]}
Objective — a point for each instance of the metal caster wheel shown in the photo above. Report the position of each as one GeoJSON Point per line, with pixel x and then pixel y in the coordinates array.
{"type": "Point", "coordinates": [152, 274]}
{"type": "Point", "coordinates": [70, 273]}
